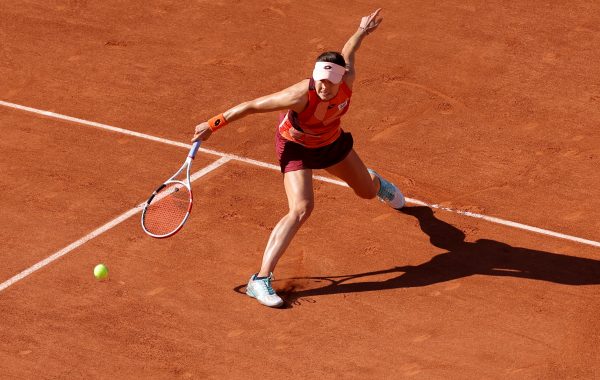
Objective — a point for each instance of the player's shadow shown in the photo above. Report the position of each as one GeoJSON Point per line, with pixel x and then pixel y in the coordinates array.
{"type": "Point", "coordinates": [482, 257]}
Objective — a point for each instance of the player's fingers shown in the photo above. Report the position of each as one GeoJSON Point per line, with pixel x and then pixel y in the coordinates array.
{"type": "Point", "coordinates": [202, 136]}
{"type": "Point", "coordinates": [370, 22]}
{"type": "Point", "coordinates": [197, 137]}
{"type": "Point", "coordinates": [373, 16]}
{"type": "Point", "coordinates": [201, 127]}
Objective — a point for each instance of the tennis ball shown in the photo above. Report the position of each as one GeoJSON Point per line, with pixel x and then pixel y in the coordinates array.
{"type": "Point", "coordinates": [100, 272]}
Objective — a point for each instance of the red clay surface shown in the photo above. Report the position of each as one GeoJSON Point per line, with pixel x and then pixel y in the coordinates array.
{"type": "Point", "coordinates": [490, 107]}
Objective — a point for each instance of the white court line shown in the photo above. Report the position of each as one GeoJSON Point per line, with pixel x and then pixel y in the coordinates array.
{"type": "Point", "coordinates": [113, 223]}
{"type": "Point", "coordinates": [153, 138]}
{"type": "Point", "coordinates": [508, 223]}
{"type": "Point", "coordinates": [274, 167]}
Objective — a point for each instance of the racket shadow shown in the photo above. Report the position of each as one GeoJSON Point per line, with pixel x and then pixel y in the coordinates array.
{"type": "Point", "coordinates": [483, 257]}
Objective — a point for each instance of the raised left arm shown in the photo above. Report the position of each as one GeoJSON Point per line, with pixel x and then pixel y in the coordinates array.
{"type": "Point", "coordinates": [368, 24]}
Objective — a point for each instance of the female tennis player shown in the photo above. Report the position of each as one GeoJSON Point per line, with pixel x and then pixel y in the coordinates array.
{"type": "Point", "coordinates": [309, 137]}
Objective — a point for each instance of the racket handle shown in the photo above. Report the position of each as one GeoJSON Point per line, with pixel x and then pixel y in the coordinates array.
{"type": "Point", "coordinates": [194, 149]}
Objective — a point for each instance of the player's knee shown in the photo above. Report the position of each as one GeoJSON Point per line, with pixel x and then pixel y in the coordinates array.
{"type": "Point", "coordinates": [302, 210]}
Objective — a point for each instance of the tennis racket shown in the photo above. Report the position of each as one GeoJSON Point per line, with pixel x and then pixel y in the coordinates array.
{"type": "Point", "coordinates": [169, 206]}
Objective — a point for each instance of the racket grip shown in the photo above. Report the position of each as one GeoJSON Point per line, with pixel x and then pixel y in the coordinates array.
{"type": "Point", "coordinates": [194, 149]}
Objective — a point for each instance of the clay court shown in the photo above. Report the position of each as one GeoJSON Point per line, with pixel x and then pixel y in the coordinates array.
{"type": "Point", "coordinates": [484, 113]}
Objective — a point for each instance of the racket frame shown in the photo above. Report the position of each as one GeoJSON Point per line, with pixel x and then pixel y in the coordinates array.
{"type": "Point", "coordinates": [187, 165]}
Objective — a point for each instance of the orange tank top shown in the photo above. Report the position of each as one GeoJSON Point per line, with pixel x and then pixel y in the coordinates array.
{"type": "Point", "coordinates": [319, 124]}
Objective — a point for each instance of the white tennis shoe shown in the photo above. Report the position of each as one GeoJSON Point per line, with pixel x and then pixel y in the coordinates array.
{"type": "Point", "coordinates": [262, 290]}
{"type": "Point", "coordinates": [389, 193]}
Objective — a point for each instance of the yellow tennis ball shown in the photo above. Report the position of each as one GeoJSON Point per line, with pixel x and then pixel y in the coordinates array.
{"type": "Point", "coordinates": [100, 272]}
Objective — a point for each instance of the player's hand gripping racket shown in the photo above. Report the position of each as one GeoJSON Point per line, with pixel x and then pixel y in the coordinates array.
{"type": "Point", "coordinates": [169, 206]}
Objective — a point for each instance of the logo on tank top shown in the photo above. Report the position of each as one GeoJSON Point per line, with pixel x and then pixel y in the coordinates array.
{"type": "Point", "coordinates": [343, 105]}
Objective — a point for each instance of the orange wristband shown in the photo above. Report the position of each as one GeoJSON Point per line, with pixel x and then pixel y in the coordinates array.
{"type": "Point", "coordinates": [217, 122]}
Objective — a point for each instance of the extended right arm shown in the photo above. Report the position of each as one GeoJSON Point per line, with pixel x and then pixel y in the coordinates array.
{"type": "Point", "coordinates": [294, 97]}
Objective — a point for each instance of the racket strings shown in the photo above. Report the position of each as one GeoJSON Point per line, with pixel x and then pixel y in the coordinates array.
{"type": "Point", "coordinates": [167, 209]}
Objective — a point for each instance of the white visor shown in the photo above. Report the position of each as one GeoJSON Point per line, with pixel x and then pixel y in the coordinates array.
{"type": "Point", "coordinates": [330, 71]}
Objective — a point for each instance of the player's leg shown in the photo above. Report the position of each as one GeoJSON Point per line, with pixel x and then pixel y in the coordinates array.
{"type": "Point", "coordinates": [354, 172]}
{"type": "Point", "coordinates": [366, 183]}
{"type": "Point", "coordinates": [299, 190]}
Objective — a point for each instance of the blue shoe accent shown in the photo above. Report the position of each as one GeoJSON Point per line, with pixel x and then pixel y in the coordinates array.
{"type": "Point", "coordinates": [262, 290]}
{"type": "Point", "coordinates": [388, 192]}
